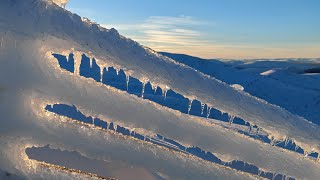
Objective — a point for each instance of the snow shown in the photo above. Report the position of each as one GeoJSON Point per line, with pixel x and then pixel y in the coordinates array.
{"type": "Point", "coordinates": [75, 160]}
{"type": "Point", "coordinates": [237, 87]}
{"type": "Point", "coordinates": [285, 86]}
{"type": "Point", "coordinates": [61, 3]}
{"type": "Point", "coordinates": [31, 78]}
{"type": "Point", "coordinates": [267, 73]}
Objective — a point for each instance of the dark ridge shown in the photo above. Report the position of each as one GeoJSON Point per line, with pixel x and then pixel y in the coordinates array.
{"type": "Point", "coordinates": [171, 99]}
{"type": "Point", "coordinates": [122, 80]}
{"type": "Point", "coordinates": [314, 155]}
{"type": "Point", "coordinates": [110, 77]}
{"type": "Point", "coordinates": [69, 111]}
{"type": "Point", "coordinates": [204, 155]}
{"type": "Point", "coordinates": [148, 91]}
{"type": "Point", "coordinates": [290, 145]}
{"type": "Point", "coordinates": [313, 70]}
{"type": "Point", "coordinates": [135, 86]}
{"type": "Point", "coordinates": [157, 142]}
{"type": "Point", "coordinates": [256, 136]}
{"type": "Point", "coordinates": [242, 166]}
{"type": "Point", "coordinates": [240, 121]}
{"type": "Point", "coordinates": [176, 101]}
{"type": "Point", "coordinates": [216, 114]}
{"type": "Point", "coordinates": [87, 71]}
{"type": "Point", "coordinates": [155, 96]}
{"type": "Point", "coordinates": [111, 127]}
{"type": "Point", "coordinates": [99, 123]}
{"type": "Point", "coordinates": [138, 136]}
{"type": "Point", "coordinates": [123, 131]}
{"type": "Point", "coordinates": [159, 98]}
{"type": "Point", "coordinates": [174, 143]}
{"type": "Point", "coordinates": [159, 136]}
{"type": "Point", "coordinates": [267, 175]}
{"type": "Point", "coordinates": [195, 108]}
{"type": "Point", "coordinates": [75, 114]}
{"type": "Point", "coordinates": [67, 64]}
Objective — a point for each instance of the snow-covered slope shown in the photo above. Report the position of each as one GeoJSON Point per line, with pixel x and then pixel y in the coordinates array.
{"type": "Point", "coordinates": [54, 90]}
{"type": "Point", "coordinates": [288, 83]}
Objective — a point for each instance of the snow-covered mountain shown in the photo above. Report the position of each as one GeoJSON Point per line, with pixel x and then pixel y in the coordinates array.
{"type": "Point", "coordinates": [292, 84]}
{"type": "Point", "coordinates": [96, 97]}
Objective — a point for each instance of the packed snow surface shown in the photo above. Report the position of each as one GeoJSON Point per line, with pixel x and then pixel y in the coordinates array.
{"type": "Point", "coordinates": [292, 84]}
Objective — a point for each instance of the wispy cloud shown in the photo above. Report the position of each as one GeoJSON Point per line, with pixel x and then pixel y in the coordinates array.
{"type": "Point", "coordinates": [168, 20]}
{"type": "Point", "coordinates": [185, 34]}
{"type": "Point", "coordinates": [166, 31]}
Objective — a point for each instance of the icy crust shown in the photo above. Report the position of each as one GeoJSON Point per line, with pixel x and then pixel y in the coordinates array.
{"type": "Point", "coordinates": [38, 81]}
{"type": "Point", "coordinates": [77, 116]}
{"type": "Point", "coordinates": [157, 119]}
{"type": "Point", "coordinates": [193, 109]}
{"type": "Point", "coordinates": [13, 151]}
{"type": "Point", "coordinates": [18, 166]}
{"type": "Point", "coordinates": [43, 130]}
{"type": "Point", "coordinates": [117, 78]}
{"type": "Point", "coordinates": [22, 126]}
{"type": "Point", "coordinates": [38, 19]}
{"type": "Point", "coordinates": [106, 147]}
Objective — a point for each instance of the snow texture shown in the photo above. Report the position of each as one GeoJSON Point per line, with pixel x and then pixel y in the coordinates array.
{"type": "Point", "coordinates": [50, 56]}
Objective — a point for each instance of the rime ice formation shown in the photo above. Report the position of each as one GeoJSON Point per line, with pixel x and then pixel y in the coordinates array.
{"type": "Point", "coordinates": [81, 89]}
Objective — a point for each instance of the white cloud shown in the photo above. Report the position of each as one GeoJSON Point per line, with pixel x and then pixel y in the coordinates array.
{"type": "Point", "coordinates": [182, 34]}
{"type": "Point", "coordinates": [165, 31]}
{"type": "Point", "coordinates": [167, 20]}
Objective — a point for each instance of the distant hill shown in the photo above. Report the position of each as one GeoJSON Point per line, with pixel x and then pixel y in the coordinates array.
{"type": "Point", "coordinates": [293, 84]}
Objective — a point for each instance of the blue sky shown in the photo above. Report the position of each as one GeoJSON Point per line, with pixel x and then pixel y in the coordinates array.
{"type": "Point", "coordinates": [213, 28]}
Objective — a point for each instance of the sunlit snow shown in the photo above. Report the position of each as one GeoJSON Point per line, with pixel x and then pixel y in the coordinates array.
{"type": "Point", "coordinates": [69, 86]}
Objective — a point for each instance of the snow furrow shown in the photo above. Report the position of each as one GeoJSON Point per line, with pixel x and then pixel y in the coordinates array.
{"type": "Point", "coordinates": [73, 113]}
{"type": "Point", "coordinates": [113, 48]}
{"type": "Point", "coordinates": [171, 99]}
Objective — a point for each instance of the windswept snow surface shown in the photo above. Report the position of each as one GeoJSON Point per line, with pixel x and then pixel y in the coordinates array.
{"type": "Point", "coordinates": [292, 84]}
{"type": "Point", "coordinates": [32, 32]}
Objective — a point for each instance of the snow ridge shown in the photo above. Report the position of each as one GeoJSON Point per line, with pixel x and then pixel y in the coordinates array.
{"type": "Point", "coordinates": [115, 82]}
{"type": "Point", "coordinates": [118, 79]}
